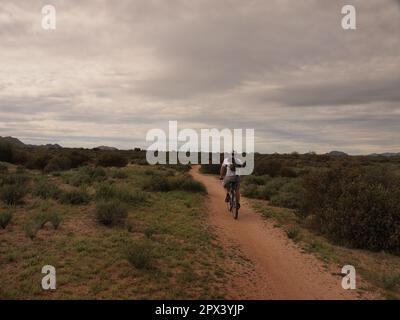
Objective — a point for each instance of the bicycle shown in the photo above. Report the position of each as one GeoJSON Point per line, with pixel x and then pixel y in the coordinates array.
{"type": "Point", "coordinates": [233, 207]}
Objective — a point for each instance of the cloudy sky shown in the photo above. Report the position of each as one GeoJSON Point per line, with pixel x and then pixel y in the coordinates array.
{"type": "Point", "coordinates": [112, 70]}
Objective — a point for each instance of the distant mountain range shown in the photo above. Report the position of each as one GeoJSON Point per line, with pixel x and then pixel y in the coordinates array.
{"type": "Point", "coordinates": [386, 154]}
{"type": "Point", "coordinates": [19, 143]}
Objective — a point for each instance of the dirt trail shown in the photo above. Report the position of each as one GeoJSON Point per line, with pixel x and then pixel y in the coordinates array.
{"type": "Point", "coordinates": [277, 269]}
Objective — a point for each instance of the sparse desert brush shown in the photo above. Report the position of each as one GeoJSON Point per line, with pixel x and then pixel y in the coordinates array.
{"type": "Point", "coordinates": [106, 191]}
{"type": "Point", "coordinates": [140, 254]}
{"type": "Point", "coordinates": [12, 194]}
{"type": "Point", "coordinates": [181, 182]}
{"type": "Point", "coordinates": [46, 189]}
{"type": "Point", "coordinates": [75, 197]}
{"type": "Point", "coordinates": [111, 212]}
{"type": "Point", "coordinates": [31, 229]}
{"type": "Point", "coordinates": [257, 180]}
{"type": "Point", "coordinates": [14, 179]}
{"type": "Point", "coordinates": [112, 159]}
{"type": "Point", "coordinates": [5, 218]}
{"type": "Point", "coordinates": [58, 163]}
{"type": "Point", "coordinates": [356, 206]}
{"type": "Point", "coordinates": [87, 175]}
{"type": "Point", "coordinates": [38, 220]}
{"type": "Point", "coordinates": [119, 174]}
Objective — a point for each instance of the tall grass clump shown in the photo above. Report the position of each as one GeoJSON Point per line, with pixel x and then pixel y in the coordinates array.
{"type": "Point", "coordinates": [140, 254]}
{"type": "Point", "coordinates": [75, 197]}
{"type": "Point", "coordinates": [5, 218]}
{"type": "Point", "coordinates": [111, 212]}
{"type": "Point", "coordinates": [12, 194]}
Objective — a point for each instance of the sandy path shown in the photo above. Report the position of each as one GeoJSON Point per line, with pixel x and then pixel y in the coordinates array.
{"type": "Point", "coordinates": [278, 268]}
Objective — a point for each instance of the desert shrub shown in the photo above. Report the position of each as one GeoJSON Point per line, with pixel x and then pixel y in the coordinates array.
{"type": "Point", "coordinates": [55, 219]}
{"type": "Point", "coordinates": [5, 218]}
{"type": "Point", "coordinates": [250, 191]}
{"type": "Point", "coordinates": [112, 159]}
{"type": "Point", "coordinates": [140, 254]}
{"type": "Point", "coordinates": [40, 219]}
{"type": "Point", "coordinates": [46, 190]}
{"type": "Point", "coordinates": [257, 180]}
{"type": "Point", "coordinates": [6, 151]}
{"type": "Point", "coordinates": [289, 195]}
{"type": "Point", "coordinates": [38, 160]}
{"type": "Point", "coordinates": [181, 182]}
{"type": "Point", "coordinates": [75, 197]}
{"type": "Point", "coordinates": [119, 174]}
{"type": "Point", "coordinates": [356, 206]}
{"type": "Point", "coordinates": [12, 194]}
{"type": "Point", "coordinates": [31, 229]}
{"type": "Point", "coordinates": [77, 158]}
{"type": "Point", "coordinates": [87, 175]}
{"type": "Point", "coordinates": [111, 212]}
{"type": "Point", "coordinates": [268, 167]}
{"type": "Point", "coordinates": [58, 163]}
{"type": "Point", "coordinates": [288, 172]}
{"type": "Point", "coordinates": [210, 168]}
{"type": "Point", "coordinates": [273, 187]}
{"type": "Point", "coordinates": [20, 156]}
{"type": "Point", "coordinates": [19, 179]}
{"type": "Point", "coordinates": [106, 191]}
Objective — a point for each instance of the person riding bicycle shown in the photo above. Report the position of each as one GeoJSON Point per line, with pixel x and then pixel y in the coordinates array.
{"type": "Point", "coordinates": [230, 168]}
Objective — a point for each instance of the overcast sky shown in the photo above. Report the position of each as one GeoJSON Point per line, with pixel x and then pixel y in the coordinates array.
{"type": "Point", "coordinates": [112, 70]}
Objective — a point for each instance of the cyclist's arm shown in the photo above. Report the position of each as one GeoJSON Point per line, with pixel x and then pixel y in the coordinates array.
{"type": "Point", "coordinates": [222, 171]}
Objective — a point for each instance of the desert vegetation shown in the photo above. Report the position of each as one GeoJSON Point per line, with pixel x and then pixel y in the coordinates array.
{"type": "Point", "coordinates": [107, 224]}
{"type": "Point", "coordinates": [342, 208]}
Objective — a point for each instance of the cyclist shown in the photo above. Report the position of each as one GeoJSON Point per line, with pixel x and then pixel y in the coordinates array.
{"type": "Point", "coordinates": [230, 168]}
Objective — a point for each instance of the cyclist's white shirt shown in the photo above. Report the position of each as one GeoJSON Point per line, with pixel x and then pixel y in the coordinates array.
{"type": "Point", "coordinates": [227, 162]}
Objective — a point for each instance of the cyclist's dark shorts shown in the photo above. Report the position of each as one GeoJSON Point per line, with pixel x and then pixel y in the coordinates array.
{"type": "Point", "coordinates": [229, 179]}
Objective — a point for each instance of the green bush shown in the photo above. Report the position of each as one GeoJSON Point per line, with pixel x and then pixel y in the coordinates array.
{"type": "Point", "coordinates": [12, 194]}
{"type": "Point", "coordinates": [6, 151]}
{"type": "Point", "coordinates": [19, 179]}
{"type": "Point", "coordinates": [106, 191]}
{"type": "Point", "coordinates": [112, 159]}
{"type": "Point", "coordinates": [46, 190]}
{"type": "Point", "coordinates": [182, 182]}
{"type": "Point", "coordinates": [75, 197]}
{"type": "Point", "coordinates": [140, 254]}
{"type": "Point", "coordinates": [38, 220]}
{"type": "Point", "coordinates": [58, 163]}
{"type": "Point", "coordinates": [250, 191]}
{"type": "Point", "coordinates": [119, 174]}
{"type": "Point", "coordinates": [55, 219]}
{"type": "Point", "coordinates": [31, 229]}
{"type": "Point", "coordinates": [268, 167]}
{"type": "Point", "coordinates": [356, 206]}
{"type": "Point", "coordinates": [5, 219]}
{"type": "Point", "coordinates": [111, 212]}
{"type": "Point", "coordinates": [38, 160]}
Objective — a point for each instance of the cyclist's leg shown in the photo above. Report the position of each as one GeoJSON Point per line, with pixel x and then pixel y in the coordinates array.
{"type": "Point", "coordinates": [238, 191]}
{"type": "Point", "coordinates": [226, 187]}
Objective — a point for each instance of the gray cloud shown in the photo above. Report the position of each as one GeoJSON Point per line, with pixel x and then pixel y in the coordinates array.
{"type": "Point", "coordinates": [113, 70]}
